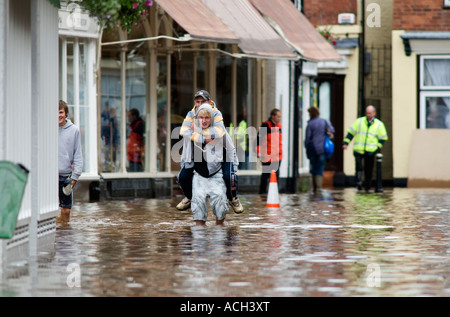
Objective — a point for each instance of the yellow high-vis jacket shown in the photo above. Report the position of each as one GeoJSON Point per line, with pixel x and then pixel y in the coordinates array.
{"type": "Point", "coordinates": [367, 137]}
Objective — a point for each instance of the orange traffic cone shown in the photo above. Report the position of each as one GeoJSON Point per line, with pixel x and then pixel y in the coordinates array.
{"type": "Point", "coordinates": [273, 201]}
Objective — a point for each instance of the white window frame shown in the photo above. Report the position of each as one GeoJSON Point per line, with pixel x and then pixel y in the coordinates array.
{"type": "Point", "coordinates": [89, 47]}
{"type": "Point", "coordinates": [422, 72]}
{"type": "Point", "coordinates": [429, 91]}
{"type": "Point", "coordinates": [423, 98]}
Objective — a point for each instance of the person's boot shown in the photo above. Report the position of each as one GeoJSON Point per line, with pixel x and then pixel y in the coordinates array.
{"type": "Point", "coordinates": [314, 184]}
{"type": "Point", "coordinates": [359, 180]}
{"type": "Point", "coordinates": [184, 204]}
{"type": "Point", "coordinates": [318, 183]}
{"type": "Point", "coordinates": [64, 216]}
{"type": "Point", "coordinates": [236, 205]}
{"type": "Point", "coordinates": [367, 184]}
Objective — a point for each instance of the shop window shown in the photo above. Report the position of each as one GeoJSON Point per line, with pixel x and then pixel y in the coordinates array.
{"type": "Point", "coordinates": [186, 77]}
{"type": "Point", "coordinates": [434, 92]}
{"type": "Point", "coordinates": [111, 118]}
{"type": "Point", "coordinates": [246, 116]}
{"type": "Point", "coordinates": [123, 129]}
{"type": "Point", "coordinates": [223, 87]}
{"type": "Point", "coordinates": [189, 74]}
{"type": "Point", "coordinates": [77, 57]}
{"type": "Point", "coordinates": [163, 117]}
{"type": "Point", "coordinates": [136, 110]}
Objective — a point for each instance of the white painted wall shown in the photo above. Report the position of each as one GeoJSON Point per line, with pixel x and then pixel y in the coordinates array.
{"type": "Point", "coordinates": [404, 103]}
{"type": "Point", "coordinates": [283, 101]}
{"type": "Point", "coordinates": [28, 106]}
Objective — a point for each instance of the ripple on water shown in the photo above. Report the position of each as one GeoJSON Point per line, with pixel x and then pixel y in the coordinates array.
{"type": "Point", "coordinates": [311, 246]}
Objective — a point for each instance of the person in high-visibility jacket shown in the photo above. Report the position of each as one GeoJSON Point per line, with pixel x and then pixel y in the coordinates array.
{"type": "Point", "coordinates": [240, 133]}
{"type": "Point", "coordinates": [369, 134]}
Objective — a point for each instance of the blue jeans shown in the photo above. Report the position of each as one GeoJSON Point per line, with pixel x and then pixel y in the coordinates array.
{"type": "Point", "coordinates": [184, 179]}
{"type": "Point", "coordinates": [64, 201]}
{"type": "Point", "coordinates": [317, 163]}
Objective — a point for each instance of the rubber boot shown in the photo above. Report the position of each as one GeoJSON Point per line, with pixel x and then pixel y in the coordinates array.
{"type": "Point", "coordinates": [64, 217]}
{"type": "Point", "coordinates": [359, 180]}
{"type": "Point", "coordinates": [318, 188]}
{"type": "Point", "coordinates": [314, 184]}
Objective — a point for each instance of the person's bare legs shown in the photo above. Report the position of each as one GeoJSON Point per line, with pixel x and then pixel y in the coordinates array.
{"type": "Point", "coordinates": [65, 215]}
{"type": "Point", "coordinates": [220, 222]}
{"type": "Point", "coordinates": [200, 222]}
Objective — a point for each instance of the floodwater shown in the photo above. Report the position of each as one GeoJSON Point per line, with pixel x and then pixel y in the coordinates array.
{"type": "Point", "coordinates": [340, 243]}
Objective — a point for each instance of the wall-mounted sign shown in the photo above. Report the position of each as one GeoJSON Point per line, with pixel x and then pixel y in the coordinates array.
{"type": "Point", "coordinates": [346, 18]}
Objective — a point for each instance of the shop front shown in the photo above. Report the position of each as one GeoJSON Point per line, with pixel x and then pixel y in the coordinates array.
{"type": "Point", "coordinates": [155, 70]}
{"type": "Point", "coordinates": [79, 35]}
{"type": "Point", "coordinates": [129, 92]}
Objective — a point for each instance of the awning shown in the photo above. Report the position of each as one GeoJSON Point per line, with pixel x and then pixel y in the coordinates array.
{"type": "Point", "coordinates": [429, 42]}
{"type": "Point", "coordinates": [256, 36]}
{"type": "Point", "coordinates": [198, 20]}
{"type": "Point", "coordinates": [296, 29]}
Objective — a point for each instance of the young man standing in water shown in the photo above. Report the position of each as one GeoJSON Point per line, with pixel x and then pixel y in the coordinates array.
{"type": "Point", "coordinates": [70, 160]}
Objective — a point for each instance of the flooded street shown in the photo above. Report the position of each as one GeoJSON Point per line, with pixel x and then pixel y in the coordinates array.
{"type": "Point", "coordinates": [340, 243]}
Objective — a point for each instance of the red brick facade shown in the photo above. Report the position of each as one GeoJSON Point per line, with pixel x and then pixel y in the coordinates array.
{"type": "Point", "coordinates": [321, 12]}
{"type": "Point", "coordinates": [421, 15]}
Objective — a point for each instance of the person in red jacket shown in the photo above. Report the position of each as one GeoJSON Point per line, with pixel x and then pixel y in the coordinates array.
{"type": "Point", "coordinates": [269, 147]}
{"type": "Point", "coordinates": [136, 142]}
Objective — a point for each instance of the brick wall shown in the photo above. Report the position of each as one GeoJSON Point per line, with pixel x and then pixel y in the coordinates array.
{"type": "Point", "coordinates": [325, 12]}
{"type": "Point", "coordinates": [421, 15]}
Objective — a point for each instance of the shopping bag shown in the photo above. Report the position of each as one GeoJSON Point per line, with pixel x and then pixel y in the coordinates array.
{"type": "Point", "coordinates": [328, 146]}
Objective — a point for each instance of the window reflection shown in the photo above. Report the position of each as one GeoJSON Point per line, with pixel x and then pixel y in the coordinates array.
{"type": "Point", "coordinates": [438, 112]}
{"type": "Point", "coordinates": [110, 113]}
{"type": "Point", "coordinates": [246, 116]}
{"type": "Point", "coordinates": [74, 62]}
{"type": "Point", "coordinates": [123, 129]}
{"type": "Point", "coordinates": [182, 94]}
{"type": "Point", "coordinates": [161, 91]}
{"type": "Point", "coordinates": [136, 109]}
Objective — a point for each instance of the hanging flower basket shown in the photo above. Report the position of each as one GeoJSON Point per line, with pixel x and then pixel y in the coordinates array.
{"type": "Point", "coordinates": [328, 36]}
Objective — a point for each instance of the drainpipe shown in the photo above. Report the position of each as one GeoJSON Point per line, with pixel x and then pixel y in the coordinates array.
{"type": "Point", "coordinates": [362, 52]}
{"type": "Point", "coordinates": [296, 118]}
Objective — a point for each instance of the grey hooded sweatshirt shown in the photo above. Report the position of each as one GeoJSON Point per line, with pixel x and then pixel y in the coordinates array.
{"type": "Point", "coordinates": [69, 142]}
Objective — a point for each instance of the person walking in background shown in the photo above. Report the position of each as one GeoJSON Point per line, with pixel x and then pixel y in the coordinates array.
{"type": "Point", "coordinates": [314, 143]}
{"type": "Point", "coordinates": [70, 160]}
{"type": "Point", "coordinates": [207, 135]}
{"type": "Point", "coordinates": [136, 141]}
{"type": "Point", "coordinates": [269, 147]}
{"type": "Point", "coordinates": [369, 134]}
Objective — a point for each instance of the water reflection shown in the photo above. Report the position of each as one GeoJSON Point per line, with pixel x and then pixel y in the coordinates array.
{"type": "Point", "coordinates": [340, 243]}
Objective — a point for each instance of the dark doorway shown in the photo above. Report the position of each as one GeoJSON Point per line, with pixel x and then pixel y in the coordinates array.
{"type": "Point", "coordinates": [330, 97]}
